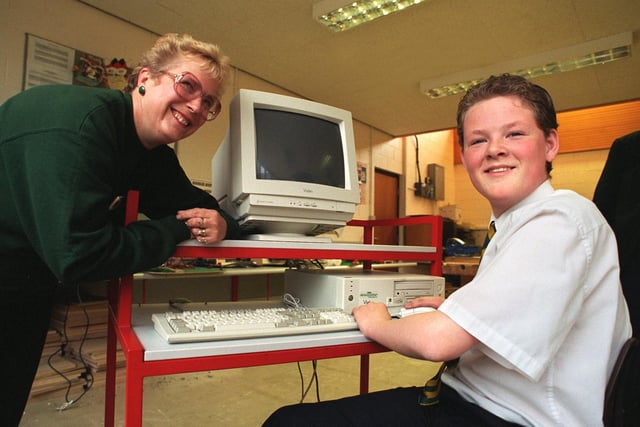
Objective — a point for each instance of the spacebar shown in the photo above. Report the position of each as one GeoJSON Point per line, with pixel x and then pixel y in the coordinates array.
{"type": "Point", "coordinates": [244, 326]}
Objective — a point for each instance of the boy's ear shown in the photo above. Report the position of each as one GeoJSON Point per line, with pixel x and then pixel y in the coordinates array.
{"type": "Point", "coordinates": [552, 145]}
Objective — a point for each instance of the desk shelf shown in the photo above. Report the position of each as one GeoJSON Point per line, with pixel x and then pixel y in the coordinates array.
{"type": "Point", "coordinates": [147, 356]}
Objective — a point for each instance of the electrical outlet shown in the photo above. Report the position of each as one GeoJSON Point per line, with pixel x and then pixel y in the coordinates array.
{"type": "Point", "coordinates": [421, 190]}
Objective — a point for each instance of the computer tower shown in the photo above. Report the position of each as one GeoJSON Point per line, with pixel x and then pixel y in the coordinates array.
{"type": "Point", "coordinates": [347, 289]}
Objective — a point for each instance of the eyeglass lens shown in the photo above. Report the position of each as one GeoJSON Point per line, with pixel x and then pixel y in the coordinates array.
{"type": "Point", "coordinates": [188, 87]}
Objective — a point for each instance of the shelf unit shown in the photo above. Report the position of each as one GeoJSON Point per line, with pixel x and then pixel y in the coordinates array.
{"type": "Point", "coordinates": [133, 335]}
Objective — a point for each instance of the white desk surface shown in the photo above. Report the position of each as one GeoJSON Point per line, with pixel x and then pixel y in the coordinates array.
{"type": "Point", "coordinates": [156, 348]}
{"type": "Point", "coordinates": [335, 246]}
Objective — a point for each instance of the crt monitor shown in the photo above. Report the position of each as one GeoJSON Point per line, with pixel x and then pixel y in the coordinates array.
{"type": "Point", "coordinates": [287, 166]}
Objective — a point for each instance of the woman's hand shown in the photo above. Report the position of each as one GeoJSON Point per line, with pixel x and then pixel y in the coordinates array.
{"type": "Point", "coordinates": [206, 225]}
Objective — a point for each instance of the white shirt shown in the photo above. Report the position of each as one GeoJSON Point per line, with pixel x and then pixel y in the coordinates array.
{"type": "Point", "coordinates": [547, 307]}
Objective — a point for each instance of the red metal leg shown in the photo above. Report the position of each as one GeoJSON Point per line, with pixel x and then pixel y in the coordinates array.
{"type": "Point", "coordinates": [110, 385]}
{"type": "Point", "coordinates": [112, 344]}
{"type": "Point", "coordinates": [134, 382]}
{"type": "Point", "coordinates": [364, 374]}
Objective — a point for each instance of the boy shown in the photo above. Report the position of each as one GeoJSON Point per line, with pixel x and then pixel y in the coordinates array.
{"type": "Point", "coordinates": [539, 328]}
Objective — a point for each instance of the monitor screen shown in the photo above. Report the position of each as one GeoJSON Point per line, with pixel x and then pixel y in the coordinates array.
{"type": "Point", "coordinates": [297, 147]}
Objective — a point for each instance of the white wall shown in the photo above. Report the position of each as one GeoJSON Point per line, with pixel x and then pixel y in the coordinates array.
{"type": "Point", "coordinates": [81, 27]}
{"type": "Point", "coordinates": [66, 22]}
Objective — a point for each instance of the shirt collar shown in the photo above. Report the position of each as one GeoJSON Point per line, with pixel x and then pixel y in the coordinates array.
{"type": "Point", "coordinates": [541, 192]}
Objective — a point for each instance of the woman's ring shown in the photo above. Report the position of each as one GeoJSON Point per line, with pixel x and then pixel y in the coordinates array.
{"type": "Point", "coordinates": [202, 232]}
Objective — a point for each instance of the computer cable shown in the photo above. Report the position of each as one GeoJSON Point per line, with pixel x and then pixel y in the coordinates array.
{"type": "Point", "coordinates": [291, 300]}
{"type": "Point", "coordinates": [87, 375]}
{"type": "Point", "coordinates": [312, 380]}
{"type": "Point", "coordinates": [317, 263]}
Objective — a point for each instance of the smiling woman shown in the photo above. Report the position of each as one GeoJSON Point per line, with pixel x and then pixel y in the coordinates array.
{"type": "Point", "coordinates": [197, 72]}
{"type": "Point", "coordinates": [68, 156]}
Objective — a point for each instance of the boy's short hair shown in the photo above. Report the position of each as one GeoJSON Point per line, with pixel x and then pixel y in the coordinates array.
{"type": "Point", "coordinates": [533, 95]}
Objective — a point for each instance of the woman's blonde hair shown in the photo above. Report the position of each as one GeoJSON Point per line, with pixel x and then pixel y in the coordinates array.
{"type": "Point", "coordinates": [169, 46]}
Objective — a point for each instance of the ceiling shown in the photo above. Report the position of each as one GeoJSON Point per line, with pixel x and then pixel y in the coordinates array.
{"type": "Point", "coordinates": [375, 70]}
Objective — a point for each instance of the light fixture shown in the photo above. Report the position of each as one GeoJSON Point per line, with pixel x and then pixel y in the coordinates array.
{"type": "Point", "coordinates": [594, 52]}
{"type": "Point", "coordinates": [338, 16]}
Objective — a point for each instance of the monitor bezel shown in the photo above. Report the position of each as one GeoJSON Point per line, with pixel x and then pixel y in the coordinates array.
{"type": "Point", "coordinates": [245, 147]}
{"type": "Point", "coordinates": [281, 206]}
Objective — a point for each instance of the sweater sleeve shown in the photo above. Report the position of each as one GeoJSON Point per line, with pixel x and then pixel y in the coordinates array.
{"type": "Point", "coordinates": [61, 195]}
{"type": "Point", "coordinates": [165, 189]}
{"type": "Point", "coordinates": [63, 163]}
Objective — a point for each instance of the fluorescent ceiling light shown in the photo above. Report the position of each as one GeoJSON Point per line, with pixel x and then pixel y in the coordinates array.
{"type": "Point", "coordinates": [570, 58]}
{"type": "Point", "coordinates": [341, 15]}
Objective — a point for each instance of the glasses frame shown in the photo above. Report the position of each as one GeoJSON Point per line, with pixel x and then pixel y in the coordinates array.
{"type": "Point", "coordinates": [212, 113]}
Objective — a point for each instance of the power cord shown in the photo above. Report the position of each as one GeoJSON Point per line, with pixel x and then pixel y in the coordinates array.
{"type": "Point", "coordinates": [304, 264]}
{"type": "Point", "coordinates": [314, 378]}
{"type": "Point", "coordinates": [86, 374]}
{"type": "Point", "coordinates": [291, 301]}
{"type": "Point", "coordinates": [294, 302]}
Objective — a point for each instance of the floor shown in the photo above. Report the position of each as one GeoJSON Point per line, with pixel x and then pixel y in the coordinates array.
{"type": "Point", "coordinates": [234, 397]}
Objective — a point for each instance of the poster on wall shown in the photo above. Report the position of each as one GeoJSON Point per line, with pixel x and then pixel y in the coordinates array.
{"type": "Point", "coordinates": [88, 70]}
{"type": "Point", "coordinates": [48, 62]}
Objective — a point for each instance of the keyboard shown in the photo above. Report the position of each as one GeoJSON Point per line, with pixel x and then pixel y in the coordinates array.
{"type": "Point", "coordinates": [241, 323]}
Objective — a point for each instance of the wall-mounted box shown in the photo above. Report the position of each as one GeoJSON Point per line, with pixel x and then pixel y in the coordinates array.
{"type": "Point", "coordinates": [435, 179]}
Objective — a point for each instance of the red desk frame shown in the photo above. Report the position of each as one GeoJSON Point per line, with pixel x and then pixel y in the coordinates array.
{"type": "Point", "coordinates": [120, 303]}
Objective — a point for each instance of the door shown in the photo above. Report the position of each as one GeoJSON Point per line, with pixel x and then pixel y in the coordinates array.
{"type": "Point", "coordinates": [386, 206]}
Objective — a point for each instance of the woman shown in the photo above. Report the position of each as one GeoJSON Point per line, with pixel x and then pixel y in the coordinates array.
{"type": "Point", "coordinates": [68, 156]}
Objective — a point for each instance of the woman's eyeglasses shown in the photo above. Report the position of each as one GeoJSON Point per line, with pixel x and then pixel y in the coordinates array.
{"type": "Point", "coordinates": [188, 88]}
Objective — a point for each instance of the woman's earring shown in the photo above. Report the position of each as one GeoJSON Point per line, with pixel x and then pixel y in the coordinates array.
{"type": "Point", "coordinates": [142, 90]}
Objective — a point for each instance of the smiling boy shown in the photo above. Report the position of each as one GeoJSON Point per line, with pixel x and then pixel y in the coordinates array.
{"type": "Point", "coordinates": [538, 330]}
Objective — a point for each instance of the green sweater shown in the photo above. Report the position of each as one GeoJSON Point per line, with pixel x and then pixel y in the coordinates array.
{"type": "Point", "coordinates": [66, 152]}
